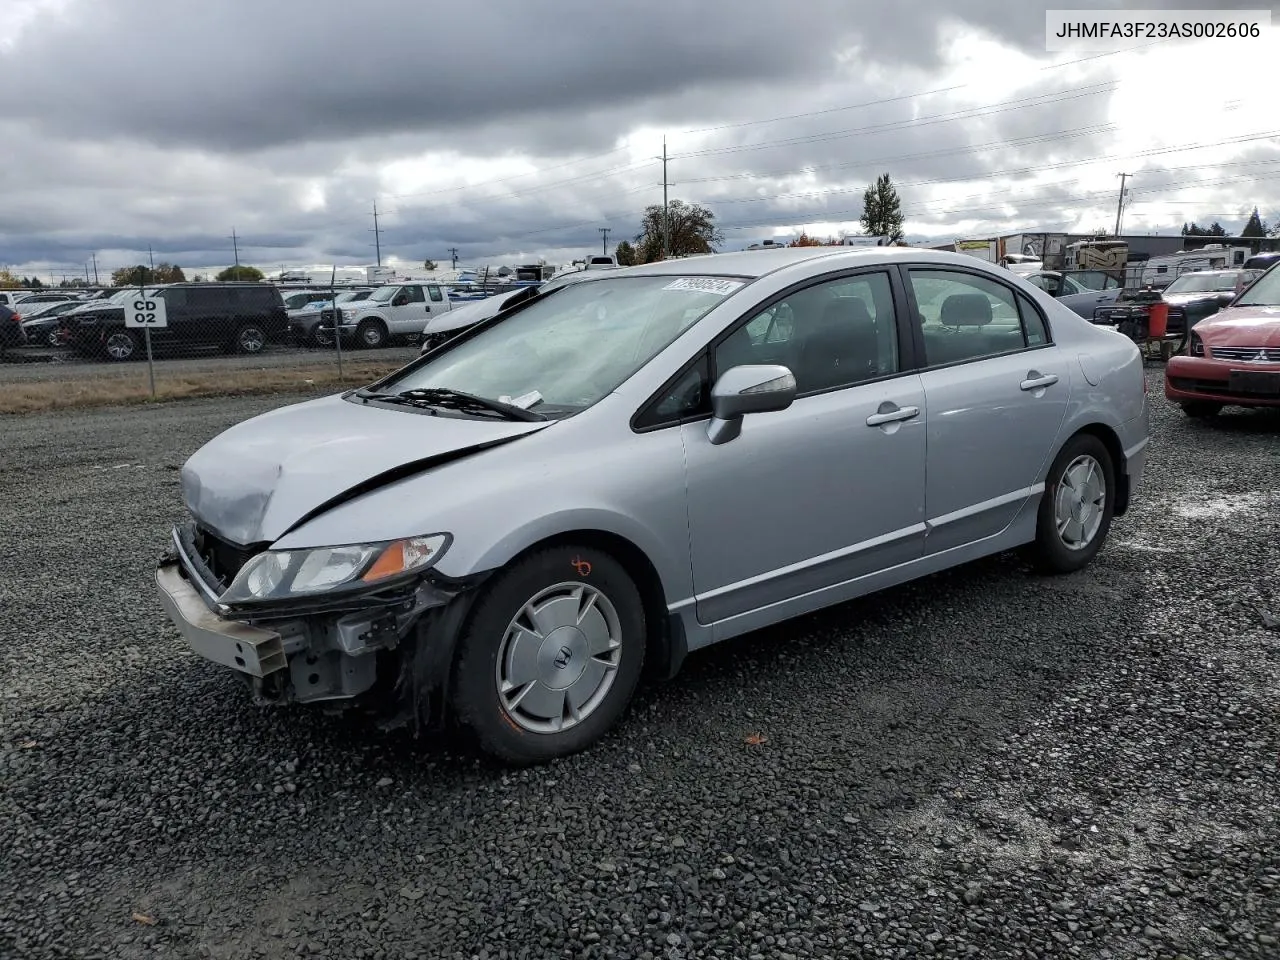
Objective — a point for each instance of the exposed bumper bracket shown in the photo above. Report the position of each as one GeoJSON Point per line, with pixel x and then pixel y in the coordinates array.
{"type": "Point", "coordinates": [240, 646]}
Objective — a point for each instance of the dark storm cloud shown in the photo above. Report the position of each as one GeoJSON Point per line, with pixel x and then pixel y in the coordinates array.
{"type": "Point", "coordinates": [137, 122]}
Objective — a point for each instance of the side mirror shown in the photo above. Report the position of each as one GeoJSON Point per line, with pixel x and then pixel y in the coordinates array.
{"type": "Point", "coordinates": [747, 389]}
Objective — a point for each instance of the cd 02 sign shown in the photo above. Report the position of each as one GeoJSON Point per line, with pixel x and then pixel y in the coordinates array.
{"type": "Point", "coordinates": [145, 313]}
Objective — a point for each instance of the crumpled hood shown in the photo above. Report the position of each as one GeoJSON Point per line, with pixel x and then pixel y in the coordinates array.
{"type": "Point", "coordinates": [253, 482]}
{"type": "Point", "coordinates": [1242, 327]}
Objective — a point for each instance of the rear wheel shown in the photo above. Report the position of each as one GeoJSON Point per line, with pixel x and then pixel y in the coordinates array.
{"type": "Point", "coordinates": [372, 334]}
{"type": "Point", "coordinates": [1201, 409]}
{"type": "Point", "coordinates": [551, 656]}
{"type": "Point", "coordinates": [121, 345]}
{"type": "Point", "coordinates": [250, 339]}
{"type": "Point", "coordinates": [1076, 507]}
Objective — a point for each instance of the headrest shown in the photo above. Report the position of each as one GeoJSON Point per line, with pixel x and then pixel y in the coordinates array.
{"type": "Point", "coordinates": [966, 310]}
{"type": "Point", "coordinates": [846, 311]}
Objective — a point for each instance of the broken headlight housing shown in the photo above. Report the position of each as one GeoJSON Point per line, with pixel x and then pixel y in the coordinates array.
{"type": "Point", "coordinates": [288, 574]}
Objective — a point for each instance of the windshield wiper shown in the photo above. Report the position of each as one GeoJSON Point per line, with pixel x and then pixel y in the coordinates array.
{"type": "Point", "coordinates": [448, 399]}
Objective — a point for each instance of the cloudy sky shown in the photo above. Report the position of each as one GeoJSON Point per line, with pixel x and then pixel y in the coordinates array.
{"type": "Point", "coordinates": [513, 131]}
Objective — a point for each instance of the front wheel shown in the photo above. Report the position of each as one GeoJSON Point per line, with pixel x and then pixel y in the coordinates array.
{"type": "Point", "coordinates": [121, 345]}
{"type": "Point", "coordinates": [372, 334]}
{"type": "Point", "coordinates": [551, 656]}
{"type": "Point", "coordinates": [1076, 507]}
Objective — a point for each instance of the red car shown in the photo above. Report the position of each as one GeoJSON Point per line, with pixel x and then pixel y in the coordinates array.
{"type": "Point", "coordinates": [1234, 356]}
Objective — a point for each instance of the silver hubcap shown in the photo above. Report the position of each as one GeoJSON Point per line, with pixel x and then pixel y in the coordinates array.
{"type": "Point", "coordinates": [251, 340]}
{"type": "Point", "coordinates": [559, 658]}
{"type": "Point", "coordinates": [1079, 503]}
{"type": "Point", "coordinates": [372, 336]}
{"type": "Point", "coordinates": [120, 346]}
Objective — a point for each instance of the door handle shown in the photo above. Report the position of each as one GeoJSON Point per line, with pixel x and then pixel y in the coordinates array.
{"type": "Point", "coordinates": [428, 309]}
{"type": "Point", "coordinates": [1036, 382]}
{"type": "Point", "coordinates": [892, 416]}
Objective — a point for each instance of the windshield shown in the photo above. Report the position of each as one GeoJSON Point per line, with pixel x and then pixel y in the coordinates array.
{"type": "Point", "coordinates": [1203, 283]}
{"type": "Point", "coordinates": [1265, 291]}
{"type": "Point", "coordinates": [384, 294]}
{"type": "Point", "coordinates": [562, 354]}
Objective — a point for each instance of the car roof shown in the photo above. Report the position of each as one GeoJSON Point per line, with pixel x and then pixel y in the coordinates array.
{"type": "Point", "coordinates": [752, 264]}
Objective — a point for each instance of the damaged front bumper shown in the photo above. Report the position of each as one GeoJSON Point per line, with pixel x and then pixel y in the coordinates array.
{"type": "Point", "coordinates": [322, 650]}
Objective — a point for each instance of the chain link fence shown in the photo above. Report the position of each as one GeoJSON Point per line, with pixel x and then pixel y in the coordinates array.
{"type": "Point", "coordinates": [192, 339]}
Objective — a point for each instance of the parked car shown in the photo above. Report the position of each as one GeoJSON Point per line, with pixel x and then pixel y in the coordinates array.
{"type": "Point", "coordinates": [1262, 261]}
{"type": "Point", "coordinates": [43, 326]}
{"type": "Point", "coordinates": [394, 311]}
{"type": "Point", "coordinates": [297, 299]}
{"type": "Point", "coordinates": [241, 317]}
{"type": "Point", "coordinates": [30, 300]}
{"type": "Point", "coordinates": [10, 298]}
{"type": "Point", "coordinates": [11, 332]}
{"type": "Point", "coordinates": [305, 321]}
{"type": "Point", "coordinates": [1194, 296]}
{"type": "Point", "coordinates": [1073, 293]}
{"type": "Point", "coordinates": [648, 461]}
{"type": "Point", "coordinates": [1233, 358]}
{"type": "Point", "coordinates": [463, 316]}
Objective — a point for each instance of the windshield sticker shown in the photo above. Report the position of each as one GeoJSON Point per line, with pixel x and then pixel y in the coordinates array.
{"type": "Point", "coordinates": [721, 288]}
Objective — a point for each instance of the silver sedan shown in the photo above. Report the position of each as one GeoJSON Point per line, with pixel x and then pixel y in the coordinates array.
{"type": "Point", "coordinates": [511, 529]}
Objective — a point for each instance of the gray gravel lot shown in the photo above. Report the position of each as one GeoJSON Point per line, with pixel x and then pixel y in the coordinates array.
{"type": "Point", "coordinates": [985, 764]}
{"type": "Point", "coordinates": [29, 364]}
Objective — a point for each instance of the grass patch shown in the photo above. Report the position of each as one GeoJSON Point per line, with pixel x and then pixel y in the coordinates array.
{"type": "Point", "coordinates": [41, 396]}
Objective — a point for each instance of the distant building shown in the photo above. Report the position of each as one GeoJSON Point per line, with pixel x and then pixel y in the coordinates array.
{"type": "Point", "coordinates": [1051, 248]}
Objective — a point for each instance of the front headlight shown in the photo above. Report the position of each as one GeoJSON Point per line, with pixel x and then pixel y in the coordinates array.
{"type": "Point", "coordinates": [285, 574]}
{"type": "Point", "coordinates": [348, 314]}
{"type": "Point", "coordinates": [1197, 345]}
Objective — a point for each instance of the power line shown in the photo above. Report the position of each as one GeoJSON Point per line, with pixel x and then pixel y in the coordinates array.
{"type": "Point", "coordinates": [760, 122]}
{"type": "Point", "coordinates": [967, 113]}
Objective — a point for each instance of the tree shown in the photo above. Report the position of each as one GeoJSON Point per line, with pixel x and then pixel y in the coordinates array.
{"type": "Point", "coordinates": [692, 231]}
{"type": "Point", "coordinates": [625, 254]}
{"type": "Point", "coordinates": [1216, 230]}
{"type": "Point", "coordinates": [804, 240]}
{"type": "Point", "coordinates": [8, 281]}
{"type": "Point", "coordinates": [882, 210]}
{"type": "Point", "coordinates": [241, 272]}
{"type": "Point", "coordinates": [428, 264]}
{"type": "Point", "coordinates": [1256, 227]}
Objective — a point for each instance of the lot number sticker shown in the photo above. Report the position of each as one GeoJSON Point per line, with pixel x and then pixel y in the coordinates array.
{"type": "Point", "coordinates": [145, 312]}
{"type": "Point", "coordinates": [721, 288]}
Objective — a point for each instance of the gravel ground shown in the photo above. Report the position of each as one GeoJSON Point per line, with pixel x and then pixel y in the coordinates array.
{"type": "Point", "coordinates": [30, 364]}
{"type": "Point", "coordinates": [985, 764]}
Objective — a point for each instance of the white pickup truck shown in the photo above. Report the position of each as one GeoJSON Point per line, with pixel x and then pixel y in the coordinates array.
{"type": "Point", "coordinates": [394, 311]}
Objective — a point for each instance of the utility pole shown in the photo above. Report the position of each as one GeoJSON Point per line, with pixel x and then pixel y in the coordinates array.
{"type": "Point", "coordinates": [604, 240]}
{"type": "Point", "coordinates": [235, 247]}
{"type": "Point", "coordinates": [95, 269]}
{"type": "Point", "coordinates": [152, 257]}
{"type": "Point", "coordinates": [86, 275]}
{"type": "Point", "coordinates": [377, 236]}
{"type": "Point", "coordinates": [666, 216]}
{"type": "Point", "coordinates": [1120, 202]}
{"type": "Point", "coordinates": [453, 254]}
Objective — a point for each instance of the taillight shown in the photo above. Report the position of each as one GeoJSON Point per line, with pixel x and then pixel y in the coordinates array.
{"type": "Point", "coordinates": [16, 318]}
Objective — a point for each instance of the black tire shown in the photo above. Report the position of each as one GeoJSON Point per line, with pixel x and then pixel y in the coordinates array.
{"type": "Point", "coordinates": [477, 705]}
{"type": "Point", "coordinates": [1201, 409]}
{"type": "Point", "coordinates": [321, 337]}
{"type": "Point", "coordinates": [121, 345]}
{"type": "Point", "coordinates": [371, 334]}
{"type": "Point", "coordinates": [1049, 552]}
{"type": "Point", "coordinates": [250, 339]}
